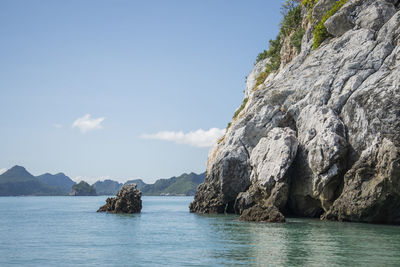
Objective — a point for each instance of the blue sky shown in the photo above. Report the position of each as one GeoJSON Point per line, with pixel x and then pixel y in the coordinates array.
{"type": "Point", "coordinates": [123, 89]}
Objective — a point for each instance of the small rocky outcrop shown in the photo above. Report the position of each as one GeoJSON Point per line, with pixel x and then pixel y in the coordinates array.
{"type": "Point", "coordinates": [320, 137]}
{"type": "Point", "coordinates": [82, 189]}
{"type": "Point", "coordinates": [258, 213]}
{"type": "Point", "coordinates": [128, 200]}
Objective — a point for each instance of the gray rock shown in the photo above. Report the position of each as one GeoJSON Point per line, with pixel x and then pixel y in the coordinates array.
{"type": "Point", "coordinates": [371, 187]}
{"type": "Point", "coordinates": [270, 161]}
{"type": "Point", "coordinates": [128, 200]}
{"type": "Point", "coordinates": [272, 157]}
{"type": "Point", "coordinates": [225, 179]}
{"type": "Point", "coordinates": [258, 213]}
{"type": "Point", "coordinates": [340, 22]}
{"type": "Point", "coordinates": [251, 79]}
{"type": "Point", "coordinates": [375, 15]}
{"type": "Point", "coordinates": [323, 147]}
{"type": "Point", "coordinates": [369, 14]}
{"type": "Point", "coordinates": [341, 102]}
{"type": "Point", "coordinates": [321, 8]}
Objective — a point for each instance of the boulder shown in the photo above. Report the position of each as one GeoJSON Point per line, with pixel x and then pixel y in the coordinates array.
{"type": "Point", "coordinates": [367, 14]}
{"type": "Point", "coordinates": [259, 213]}
{"type": "Point", "coordinates": [128, 200]}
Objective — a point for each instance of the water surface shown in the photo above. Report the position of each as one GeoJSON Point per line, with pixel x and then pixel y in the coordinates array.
{"type": "Point", "coordinates": [67, 231]}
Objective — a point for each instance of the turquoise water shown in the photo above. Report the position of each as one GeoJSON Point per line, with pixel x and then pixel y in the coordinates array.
{"type": "Point", "coordinates": [67, 231]}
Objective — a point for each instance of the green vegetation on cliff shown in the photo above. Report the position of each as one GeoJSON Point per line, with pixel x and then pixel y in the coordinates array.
{"type": "Point", "coordinates": [242, 106]}
{"type": "Point", "coordinates": [237, 112]}
{"type": "Point", "coordinates": [320, 32]}
{"type": "Point", "coordinates": [296, 38]}
{"type": "Point", "coordinates": [309, 4]}
{"type": "Point", "coordinates": [291, 11]}
{"type": "Point", "coordinates": [290, 26]}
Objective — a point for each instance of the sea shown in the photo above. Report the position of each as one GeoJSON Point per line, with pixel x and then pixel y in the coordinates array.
{"type": "Point", "coordinates": [67, 231]}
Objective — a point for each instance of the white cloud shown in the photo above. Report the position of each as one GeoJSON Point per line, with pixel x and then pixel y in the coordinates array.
{"type": "Point", "coordinates": [86, 123]}
{"type": "Point", "coordinates": [57, 125]}
{"type": "Point", "coordinates": [198, 138]}
{"type": "Point", "coordinates": [3, 170]}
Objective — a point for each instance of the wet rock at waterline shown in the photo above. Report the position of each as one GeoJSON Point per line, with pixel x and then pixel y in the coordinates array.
{"type": "Point", "coordinates": [259, 213]}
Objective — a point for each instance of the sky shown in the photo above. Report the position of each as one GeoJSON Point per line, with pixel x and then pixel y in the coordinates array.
{"type": "Point", "coordinates": [123, 89]}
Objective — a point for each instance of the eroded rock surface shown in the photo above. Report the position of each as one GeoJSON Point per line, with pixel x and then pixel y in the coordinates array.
{"type": "Point", "coordinates": [321, 160]}
{"type": "Point", "coordinates": [258, 213]}
{"type": "Point", "coordinates": [321, 136]}
{"type": "Point", "coordinates": [270, 161]}
{"type": "Point", "coordinates": [128, 200]}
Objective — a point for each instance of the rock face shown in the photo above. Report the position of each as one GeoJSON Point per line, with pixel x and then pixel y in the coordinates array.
{"type": "Point", "coordinates": [321, 136]}
{"type": "Point", "coordinates": [270, 161]}
{"type": "Point", "coordinates": [128, 200]}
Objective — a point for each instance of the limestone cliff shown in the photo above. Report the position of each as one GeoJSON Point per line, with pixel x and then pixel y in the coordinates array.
{"type": "Point", "coordinates": [320, 137]}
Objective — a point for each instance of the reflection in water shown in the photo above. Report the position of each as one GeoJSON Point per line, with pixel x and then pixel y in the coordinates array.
{"type": "Point", "coordinates": [299, 242]}
{"type": "Point", "coordinates": [258, 244]}
{"type": "Point", "coordinates": [362, 244]}
{"type": "Point", "coordinates": [67, 231]}
{"type": "Point", "coordinates": [298, 251]}
{"type": "Point", "coordinates": [225, 237]}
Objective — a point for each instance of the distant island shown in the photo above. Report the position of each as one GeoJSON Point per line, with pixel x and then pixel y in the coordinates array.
{"type": "Point", "coordinates": [82, 189]}
{"type": "Point", "coordinates": [107, 187]}
{"type": "Point", "coordinates": [183, 185]}
{"type": "Point", "coordinates": [17, 181]}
